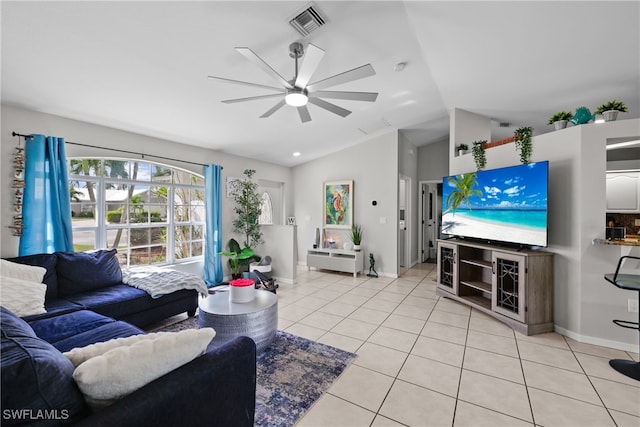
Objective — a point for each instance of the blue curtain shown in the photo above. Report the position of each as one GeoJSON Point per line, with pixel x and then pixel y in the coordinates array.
{"type": "Point", "coordinates": [213, 236]}
{"type": "Point", "coordinates": [46, 209]}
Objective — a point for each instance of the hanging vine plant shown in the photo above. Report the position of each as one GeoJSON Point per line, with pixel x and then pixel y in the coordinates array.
{"type": "Point", "coordinates": [479, 155]}
{"type": "Point", "coordinates": [523, 143]}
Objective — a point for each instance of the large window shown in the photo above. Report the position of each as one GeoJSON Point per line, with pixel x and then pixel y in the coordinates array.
{"type": "Point", "coordinates": [151, 213]}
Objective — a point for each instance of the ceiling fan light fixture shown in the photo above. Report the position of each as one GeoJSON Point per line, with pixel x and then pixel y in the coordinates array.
{"type": "Point", "coordinates": [296, 98]}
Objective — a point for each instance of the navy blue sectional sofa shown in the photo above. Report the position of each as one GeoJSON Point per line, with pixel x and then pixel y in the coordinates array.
{"type": "Point", "coordinates": [93, 281]}
{"type": "Point", "coordinates": [87, 302]}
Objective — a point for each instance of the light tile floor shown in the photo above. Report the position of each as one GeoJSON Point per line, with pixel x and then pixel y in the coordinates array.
{"type": "Point", "coordinates": [429, 361]}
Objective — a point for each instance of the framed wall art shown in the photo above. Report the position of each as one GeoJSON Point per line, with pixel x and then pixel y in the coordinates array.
{"type": "Point", "coordinates": [338, 204]}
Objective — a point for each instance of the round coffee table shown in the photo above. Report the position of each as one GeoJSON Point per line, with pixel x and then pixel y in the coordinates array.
{"type": "Point", "coordinates": [257, 319]}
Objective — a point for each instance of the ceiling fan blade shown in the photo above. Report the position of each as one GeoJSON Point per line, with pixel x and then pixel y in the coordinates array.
{"type": "Point", "coordinates": [251, 98]}
{"type": "Point", "coordinates": [240, 82]}
{"type": "Point", "coordinates": [304, 114]}
{"type": "Point", "coordinates": [251, 56]}
{"type": "Point", "coordinates": [353, 96]}
{"type": "Point", "coordinates": [330, 107]}
{"type": "Point", "coordinates": [347, 76]}
{"type": "Point", "coordinates": [312, 58]}
{"type": "Point", "coordinates": [273, 109]}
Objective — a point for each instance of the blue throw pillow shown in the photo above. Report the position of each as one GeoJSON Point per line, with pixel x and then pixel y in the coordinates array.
{"type": "Point", "coordinates": [47, 261]}
{"type": "Point", "coordinates": [86, 271]}
{"type": "Point", "coordinates": [36, 378]}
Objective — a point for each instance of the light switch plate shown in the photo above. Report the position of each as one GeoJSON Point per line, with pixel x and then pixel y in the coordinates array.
{"type": "Point", "coordinates": [637, 222]}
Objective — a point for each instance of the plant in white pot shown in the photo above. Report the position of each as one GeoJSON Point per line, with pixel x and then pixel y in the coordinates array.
{"type": "Point", "coordinates": [356, 236]}
{"type": "Point", "coordinates": [462, 149]}
{"type": "Point", "coordinates": [609, 110]}
{"type": "Point", "coordinates": [560, 119]}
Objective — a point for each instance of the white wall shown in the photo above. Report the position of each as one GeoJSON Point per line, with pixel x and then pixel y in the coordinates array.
{"type": "Point", "coordinates": [372, 165]}
{"type": "Point", "coordinates": [408, 167]}
{"type": "Point", "coordinates": [466, 127]}
{"type": "Point", "coordinates": [27, 122]}
{"type": "Point", "coordinates": [433, 161]}
{"type": "Point", "coordinates": [584, 303]}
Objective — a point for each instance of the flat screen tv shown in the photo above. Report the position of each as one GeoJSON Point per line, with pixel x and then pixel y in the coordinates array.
{"type": "Point", "coordinates": [506, 205]}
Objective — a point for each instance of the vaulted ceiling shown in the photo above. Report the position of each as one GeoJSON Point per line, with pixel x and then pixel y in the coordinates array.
{"type": "Point", "coordinates": [143, 67]}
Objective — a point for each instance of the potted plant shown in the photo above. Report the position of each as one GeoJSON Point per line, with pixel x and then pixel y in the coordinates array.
{"type": "Point", "coordinates": [523, 143]}
{"type": "Point", "coordinates": [609, 110]}
{"type": "Point", "coordinates": [560, 119]}
{"type": "Point", "coordinates": [462, 149]}
{"type": "Point", "coordinates": [479, 155]}
{"type": "Point", "coordinates": [236, 256]}
{"type": "Point", "coordinates": [356, 236]}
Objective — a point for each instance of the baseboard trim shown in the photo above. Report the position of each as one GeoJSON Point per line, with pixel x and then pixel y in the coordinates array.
{"type": "Point", "coordinates": [633, 348]}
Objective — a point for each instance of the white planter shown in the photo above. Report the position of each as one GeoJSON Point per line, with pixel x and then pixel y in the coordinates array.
{"type": "Point", "coordinates": [610, 116]}
{"type": "Point", "coordinates": [560, 124]}
{"type": "Point", "coordinates": [242, 294]}
{"type": "Point", "coordinates": [357, 247]}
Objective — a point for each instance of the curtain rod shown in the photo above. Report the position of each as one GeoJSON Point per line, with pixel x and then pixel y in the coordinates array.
{"type": "Point", "coordinates": [118, 150]}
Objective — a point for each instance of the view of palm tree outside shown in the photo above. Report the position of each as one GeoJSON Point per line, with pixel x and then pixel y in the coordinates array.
{"type": "Point", "coordinates": [149, 212]}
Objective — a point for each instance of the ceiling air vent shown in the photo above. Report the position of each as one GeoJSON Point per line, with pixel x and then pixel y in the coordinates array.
{"type": "Point", "coordinates": [309, 20]}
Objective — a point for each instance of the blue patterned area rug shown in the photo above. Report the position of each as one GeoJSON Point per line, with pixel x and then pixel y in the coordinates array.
{"type": "Point", "coordinates": [292, 373]}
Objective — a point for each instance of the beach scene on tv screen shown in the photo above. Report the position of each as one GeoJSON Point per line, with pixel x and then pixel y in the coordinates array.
{"type": "Point", "coordinates": [506, 204]}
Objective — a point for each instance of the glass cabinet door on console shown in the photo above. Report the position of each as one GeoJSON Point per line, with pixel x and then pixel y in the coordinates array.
{"type": "Point", "coordinates": [509, 275]}
{"type": "Point", "coordinates": [447, 269]}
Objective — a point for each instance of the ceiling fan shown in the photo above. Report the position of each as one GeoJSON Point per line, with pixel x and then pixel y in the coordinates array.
{"type": "Point", "coordinates": [298, 91]}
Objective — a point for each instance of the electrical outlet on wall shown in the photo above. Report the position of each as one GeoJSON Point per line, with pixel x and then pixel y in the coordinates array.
{"type": "Point", "coordinates": [632, 305]}
{"type": "Point", "coordinates": [637, 222]}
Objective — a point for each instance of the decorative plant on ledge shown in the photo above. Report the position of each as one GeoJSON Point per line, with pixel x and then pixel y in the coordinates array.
{"type": "Point", "coordinates": [479, 155]}
{"type": "Point", "coordinates": [612, 106]}
{"type": "Point", "coordinates": [560, 115]}
{"type": "Point", "coordinates": [523, 143]}
{"type": "Point", "coordinates": [462, 149]}
{"type": "Point", "coordinates": [609, 110]}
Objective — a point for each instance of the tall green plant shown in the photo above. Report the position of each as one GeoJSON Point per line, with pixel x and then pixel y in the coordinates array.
{"type": "Point", "coordinates": [245, 195]}
{"type": "Point", "coordinates": [523, 143]}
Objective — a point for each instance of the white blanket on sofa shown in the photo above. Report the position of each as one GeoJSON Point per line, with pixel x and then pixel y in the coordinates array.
{"type": "Point", "coordinates": [161, 281]}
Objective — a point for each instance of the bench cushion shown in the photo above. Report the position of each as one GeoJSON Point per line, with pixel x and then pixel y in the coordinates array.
{"type": "Point", "coordinates": [120, 301]}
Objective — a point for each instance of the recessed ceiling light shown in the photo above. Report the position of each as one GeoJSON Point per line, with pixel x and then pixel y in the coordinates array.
{"type": "Point", "coordinates": [296, 154]}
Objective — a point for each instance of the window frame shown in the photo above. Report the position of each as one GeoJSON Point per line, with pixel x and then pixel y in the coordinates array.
{"type": "Point", "coordinates": [100, 226]}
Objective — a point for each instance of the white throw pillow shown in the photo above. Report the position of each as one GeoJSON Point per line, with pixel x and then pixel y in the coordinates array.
{"type": "Point", "coordinates": [79, 355]}
{"type": "Point", "coordinates": [22, 297]}
{"type": "Point", "coordinates": [122, 370]}
{"type": "Point", "coordinates": [31, 273]}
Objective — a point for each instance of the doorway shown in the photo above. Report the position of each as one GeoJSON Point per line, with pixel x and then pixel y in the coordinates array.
{"type": "Point", "coordinates": [430, 214]}
{"type": "Point", "coordinates": [404, 224]}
